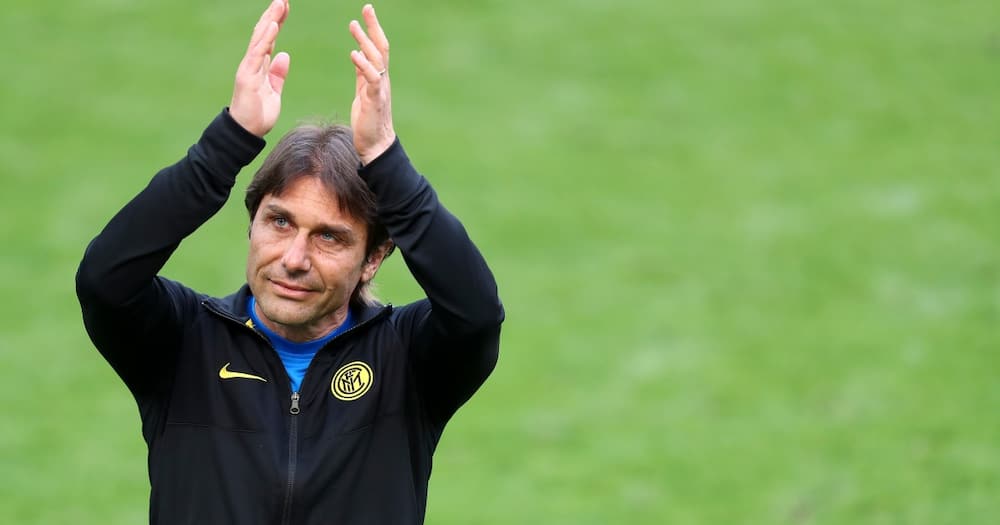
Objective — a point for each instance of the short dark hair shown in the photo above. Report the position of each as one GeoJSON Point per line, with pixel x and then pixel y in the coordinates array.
{"type": "Point", "coordinates": [324, 151]}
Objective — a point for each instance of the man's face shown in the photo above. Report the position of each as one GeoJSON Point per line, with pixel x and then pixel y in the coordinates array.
{"type": "Point", "coordinates": [306, 258]}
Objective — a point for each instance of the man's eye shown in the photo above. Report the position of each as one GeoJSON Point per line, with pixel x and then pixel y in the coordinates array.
{"type": "Point", "coordinates": [280, 222]}
{"type": "Point", "coordinates": [328, 237]}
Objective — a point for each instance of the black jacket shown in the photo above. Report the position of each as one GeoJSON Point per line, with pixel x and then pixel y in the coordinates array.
{"type": "Point", "coordinates": [229, 442]}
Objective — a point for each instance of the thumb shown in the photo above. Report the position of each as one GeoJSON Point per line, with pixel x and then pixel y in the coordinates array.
{"type": "Point", "coordinates": [278, 71]}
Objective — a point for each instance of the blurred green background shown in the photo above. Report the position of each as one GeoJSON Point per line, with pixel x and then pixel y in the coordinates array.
{"type": "Point", "coordinates": [748, 249]}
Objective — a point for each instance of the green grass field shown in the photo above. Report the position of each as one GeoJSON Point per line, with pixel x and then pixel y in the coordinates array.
{"type": "Point", "coordinates": [749, 250]}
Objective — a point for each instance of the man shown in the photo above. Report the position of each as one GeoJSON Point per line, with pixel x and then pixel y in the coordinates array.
{"type": "Point", "coordinates": [298, 399]}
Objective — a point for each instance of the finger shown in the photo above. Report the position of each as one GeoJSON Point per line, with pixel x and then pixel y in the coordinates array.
{"type": "Point", "coordinates": [278, 71]}
{"type": "Point", "coordinates": [366, 45]}
{"type": "Point", "coordinates": [285, 7]}
{"type": "Point", "coordinates": [376, 33]}
{"type": "Point", "coordinates": [256, 56]}
{"type": "Point", "coordinates": [260, 26]}
{"type": "Point", "coordinates": [371, 75]}
{"type": "Point", "coordinates": [275, 12]}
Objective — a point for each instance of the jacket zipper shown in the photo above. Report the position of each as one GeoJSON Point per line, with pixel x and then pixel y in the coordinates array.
{"type": "Point", "coordinates": [293, 441]}
{"type": "Point", "coordinates": [293, 425]}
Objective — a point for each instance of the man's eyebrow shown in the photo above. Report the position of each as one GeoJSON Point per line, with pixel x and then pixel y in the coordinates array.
{"type": "Point", "coordinates": [274, 208]}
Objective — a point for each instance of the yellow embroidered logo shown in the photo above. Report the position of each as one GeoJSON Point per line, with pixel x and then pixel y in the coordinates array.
{"type": "Point", "coordinates": [352, 381]}
{"type": "Point", "coordinates": [225, 373]}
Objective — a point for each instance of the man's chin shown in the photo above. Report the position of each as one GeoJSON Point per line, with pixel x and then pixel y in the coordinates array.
{"type": "Point", "coordinates": [289, 314]}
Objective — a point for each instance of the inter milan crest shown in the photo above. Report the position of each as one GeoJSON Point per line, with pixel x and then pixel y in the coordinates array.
{"type": "Point", "coordinates": [352, 381]}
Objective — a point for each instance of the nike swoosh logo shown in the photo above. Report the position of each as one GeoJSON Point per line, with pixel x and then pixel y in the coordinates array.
{"type": "Point", "coordinates": [225, 373]}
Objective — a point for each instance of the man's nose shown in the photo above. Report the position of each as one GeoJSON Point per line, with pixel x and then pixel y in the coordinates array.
{"type": "Point", "coordinates": [296, 256]}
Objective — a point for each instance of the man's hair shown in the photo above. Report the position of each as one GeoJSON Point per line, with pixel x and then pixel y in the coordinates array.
{"type": "Point", "coordinates": [324, 151]}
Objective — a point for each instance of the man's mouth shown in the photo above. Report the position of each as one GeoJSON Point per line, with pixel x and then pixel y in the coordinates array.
{"type": "Point", "coordinates": [288, 289]}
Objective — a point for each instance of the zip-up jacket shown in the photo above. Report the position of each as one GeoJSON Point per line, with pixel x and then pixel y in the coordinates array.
{"type": "Point", "coordinates": [229, 442]}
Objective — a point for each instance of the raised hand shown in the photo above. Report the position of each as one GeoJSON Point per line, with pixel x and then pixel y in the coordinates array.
{"type": "Point", "coordinates": [260, 78]}
{"type": "Point", "coordinates": [371, 112]}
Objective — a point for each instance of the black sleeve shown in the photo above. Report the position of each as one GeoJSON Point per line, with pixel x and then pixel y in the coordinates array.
{"type": "Point", "coordinates": [455, 333]}
{"type": "Point", "coordinates": [133, 317]}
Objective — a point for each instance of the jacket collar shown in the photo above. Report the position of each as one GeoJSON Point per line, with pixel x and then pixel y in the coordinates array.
{"type": "Point", "coordinates": [234, 307]}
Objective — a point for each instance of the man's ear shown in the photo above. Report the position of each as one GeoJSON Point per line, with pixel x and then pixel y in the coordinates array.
{"type": "Point", "coordinates": [374, 260]}
{"type": "Point", "coordinates": [250, 226]}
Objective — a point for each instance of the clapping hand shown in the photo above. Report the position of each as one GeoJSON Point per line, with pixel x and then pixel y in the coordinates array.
{"type": "Point", "coordinates": [371, 112]}
{"type": "Point", "coordinates": [260, 77]}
